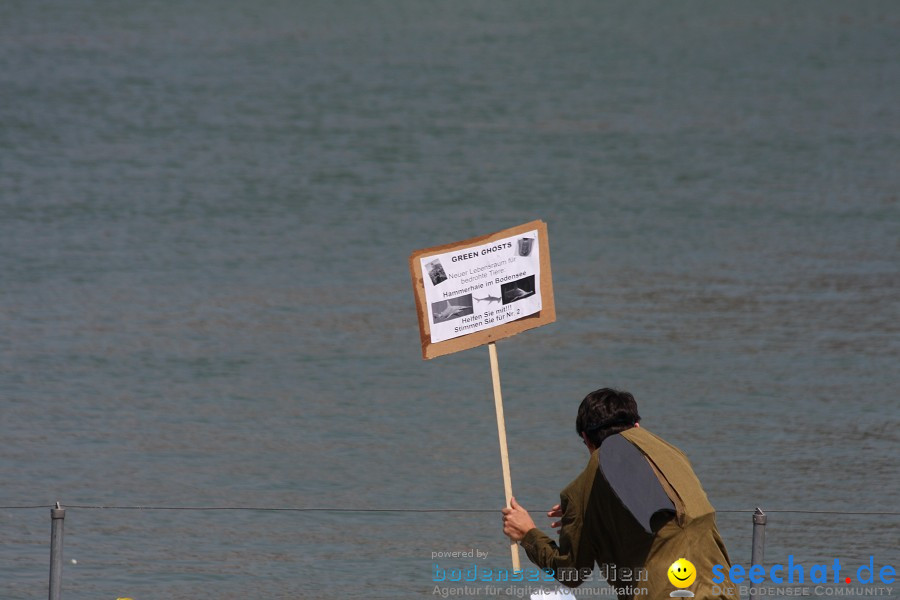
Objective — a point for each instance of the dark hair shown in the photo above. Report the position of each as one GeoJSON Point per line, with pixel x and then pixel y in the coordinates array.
{"type": "Point", "coordinates": [606, 412]}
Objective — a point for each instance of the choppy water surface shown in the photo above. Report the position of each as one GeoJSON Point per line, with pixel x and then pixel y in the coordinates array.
{"type": "Point", "coordinates": [205, 219]}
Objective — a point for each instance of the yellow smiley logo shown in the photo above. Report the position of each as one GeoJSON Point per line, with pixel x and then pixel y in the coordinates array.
{"type": "Point", "coordinates": [682, 573]}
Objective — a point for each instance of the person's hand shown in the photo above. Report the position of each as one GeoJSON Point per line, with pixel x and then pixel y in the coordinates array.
{"type": "Point", "coordinates": [555, 513]}
{"type": "Point", "coordinates": [516, 521]}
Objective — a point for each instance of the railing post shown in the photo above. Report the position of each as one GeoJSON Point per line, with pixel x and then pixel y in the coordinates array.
{"type": "Point", "coordinates": [57, 520]}
{"type": "Point", "coordinates": [759, 542]}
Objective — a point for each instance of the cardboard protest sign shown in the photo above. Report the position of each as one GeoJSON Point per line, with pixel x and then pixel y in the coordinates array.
{"type": "Point", "coordinates": [477, 291]}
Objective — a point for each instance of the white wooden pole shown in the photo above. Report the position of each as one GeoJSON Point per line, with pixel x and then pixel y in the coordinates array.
{"type": "Point", "coordinates": [504, 452]}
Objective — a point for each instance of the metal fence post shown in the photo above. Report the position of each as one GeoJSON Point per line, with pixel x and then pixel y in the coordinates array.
{"type": "Point", "coordinates": [57, 520]}
{"type": "Point", "coordinates": [759, 542]}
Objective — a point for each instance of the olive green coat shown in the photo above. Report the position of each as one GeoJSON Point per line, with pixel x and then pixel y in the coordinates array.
{"type": "Point", "coordinates": [596, 527]}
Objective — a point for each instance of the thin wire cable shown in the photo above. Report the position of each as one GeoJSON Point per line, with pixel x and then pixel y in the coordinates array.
{"type": "Point", "coordinates": [395, 510]}
{"type": "Point", "coordinates": [831, 512]}
{"type": "Point", "coordinates": [289, 509]}
{"type": "Point", "coordinates": [817, 512]}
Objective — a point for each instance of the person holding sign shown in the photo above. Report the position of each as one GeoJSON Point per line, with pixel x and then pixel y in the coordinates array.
{"type": "Point", "coordinates": [636, 509]}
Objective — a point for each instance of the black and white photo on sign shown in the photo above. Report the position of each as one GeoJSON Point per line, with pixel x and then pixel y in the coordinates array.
{"type": "Point", "coordinates": [524, 245]}
{"type": "Point", "coordinates": [518, 289]}
{"type": "Point", "coordinates": [436, 271]}
{"type": "Point", "coordinates": [445, 310]}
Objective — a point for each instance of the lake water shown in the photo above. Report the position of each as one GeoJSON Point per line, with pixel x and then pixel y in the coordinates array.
{"type": "Point", "coordinates": [206, 211]}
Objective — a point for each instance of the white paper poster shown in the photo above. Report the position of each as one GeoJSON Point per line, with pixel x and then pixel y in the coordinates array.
{"type": "Point", "coordinates": [480, 287]}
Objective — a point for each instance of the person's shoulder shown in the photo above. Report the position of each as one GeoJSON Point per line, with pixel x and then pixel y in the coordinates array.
{"type": "Point", "coordinates": [585, 478]}
{"type": "Point", "coordinates": [645, 440]}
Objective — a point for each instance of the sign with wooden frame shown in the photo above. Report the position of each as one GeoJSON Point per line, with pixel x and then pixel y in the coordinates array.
{"type": "Point", "coordinates": [513, 263]}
